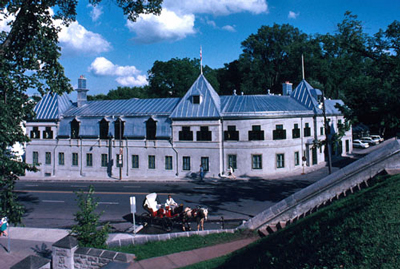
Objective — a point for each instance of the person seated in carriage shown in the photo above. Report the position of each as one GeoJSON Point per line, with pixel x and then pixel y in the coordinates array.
{"type": "Point", "coordinates": [150, 203]}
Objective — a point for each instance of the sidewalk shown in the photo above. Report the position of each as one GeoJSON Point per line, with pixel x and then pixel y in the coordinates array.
{"type": "Point", "coordinates": [185, 258]}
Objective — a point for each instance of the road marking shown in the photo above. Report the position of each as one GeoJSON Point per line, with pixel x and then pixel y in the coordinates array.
{"type": "Point", "coordinates": [132, 187]}
{"type": "Point", "coordinates": [52, 201]}
{"type": "Point", "coordinates": [108, 203]}
{"type": "Point", "coordinates": [78, 186]}
{"type": "Point", "coordinates": [204, 188]}
{"type": "Point", "coordinates": [96, 192]}
{"type": "Point", "coordinates": [31, 185]}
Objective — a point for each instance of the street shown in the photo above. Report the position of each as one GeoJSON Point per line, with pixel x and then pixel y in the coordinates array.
{"type": "Point", "coordinates": [53, 204]}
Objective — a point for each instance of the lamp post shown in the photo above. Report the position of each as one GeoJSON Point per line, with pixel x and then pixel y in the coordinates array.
{"type": "Point", "coordinates": [120, 149]}
{"type": "Point", "coordinates": [327, 135]}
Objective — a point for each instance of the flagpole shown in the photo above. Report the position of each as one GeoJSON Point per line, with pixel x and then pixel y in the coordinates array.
{"type": "Point", "coordinates": [201, 61]}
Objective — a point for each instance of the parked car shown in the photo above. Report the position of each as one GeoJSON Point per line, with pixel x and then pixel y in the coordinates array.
{"type": "Point", "coordinates": [377, 138]}
{"type": "Point", "coordinates": [358, 144]}
{"type": "Point", "coordinates": [369, 140]}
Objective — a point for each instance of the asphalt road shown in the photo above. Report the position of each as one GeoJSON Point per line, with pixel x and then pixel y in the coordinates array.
{"type": "Point", "coordinates": [53, 204]}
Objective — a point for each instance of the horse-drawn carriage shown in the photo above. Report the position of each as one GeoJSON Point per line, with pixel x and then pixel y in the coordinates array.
{"type": "Point", "coordinates": [169, 216]}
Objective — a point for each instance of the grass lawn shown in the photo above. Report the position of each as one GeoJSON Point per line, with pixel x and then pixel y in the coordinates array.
{"type": "Point", "coordinates": [359, 231]}
{"type": "Point", "coordinates": [161, 248]}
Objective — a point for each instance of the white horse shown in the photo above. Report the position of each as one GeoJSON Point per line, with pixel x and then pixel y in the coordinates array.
{"type": "Point", "coordinates": [200, 214]}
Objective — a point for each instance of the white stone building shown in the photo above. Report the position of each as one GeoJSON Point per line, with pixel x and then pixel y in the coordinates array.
{"type": "Point", "coordinates": [258, 135]}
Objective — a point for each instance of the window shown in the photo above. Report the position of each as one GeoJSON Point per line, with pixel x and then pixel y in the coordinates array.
{"type": "Point", "coordinates": [204, 134]}
{"type": "Point", "coordinates": [35, 133]}
{"type": "Point", "coordinates": [279, 133]}
{"type": "Point", "coordinates": [89, 159]}
{"type": "Point", "coordinates": [231, 134]}
{"type": "Point", "coordinates": [186, 134]}
{"type": "Point", "coordinates": [347, 145]}
{"type": "Point", "coordinates": [48, 133]}
{"type": "Point", "coordinates": [152, 162]}
{"type": "Point", "coordinates": [74, 129]}
{"type": "Point", "coordinates": [151, 128]}
{"type": "Point", "coordinates": [256, 133]}
{"type": "Point", "coordinates": [307, 130]}
{"type": "Point", "coordinates": [296, 131]}
{"type": "Point", "coordinates": [321, 131]}
{"type": "Point", "coordinates": [104, 160]}
{"type": "Point", "coordinates": [135, 161]}
{"type": "Point", "coordinates": [168, 162]}
{"type": "Point", "coordinates": [296, 158]}
{"type": "Point", "coordinates": [119, 129]}
{"type": "Point", "coordinates": [196, 99]}
{"type": "Point", "coordinates": [120, 161]}
{"type": "Point", "coordinates": [35, 158]}
{"type": "Point", "coordinates": [186, 163]}
{"type": "Point", "coordinates": [232, 161]}
{"type": "Point", "coordinates": [256, 162]}
{"type": "Point", "coordinates": [280, 160]}
{"type": "Point", "coordinates": [104, 126]}
{"type": "Point", "coordinates": [48, 158]}
{"type": "Point", "coordinates": [75, 159]}
{"type": "Point", "coordinates": [61, 158]}
{"type": "Point", "coordinates": [205, 163]}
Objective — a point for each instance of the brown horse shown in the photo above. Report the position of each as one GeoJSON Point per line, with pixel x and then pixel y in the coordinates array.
{"type": "Point", "coordinates": [200, 214]}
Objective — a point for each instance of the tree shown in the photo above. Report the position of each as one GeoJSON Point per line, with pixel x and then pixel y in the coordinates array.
{"type": "Point", "coordinates": [175, 77]}
{"type": "Point", "coordinates": [87, 221]}
{"type": "Point", "coordinates": [29, 58]}
{"type": "Point", "coordinates": [122, 93]}
{"type": "Point", "coordinates": [271, 57]}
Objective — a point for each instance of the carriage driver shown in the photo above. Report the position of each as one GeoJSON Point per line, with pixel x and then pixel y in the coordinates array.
{"type": "Point", "coordinates": [171, 203]}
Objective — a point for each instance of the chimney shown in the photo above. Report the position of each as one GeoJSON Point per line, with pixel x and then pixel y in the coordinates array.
{"type": "Point", "coordinates": [286, 88]}
{"type": "Point", "coordinates": [269, 92]}
{"type": "Point", "coordinates": [82, 91]}
{"type": "Point", "coordinates": [234, 92]}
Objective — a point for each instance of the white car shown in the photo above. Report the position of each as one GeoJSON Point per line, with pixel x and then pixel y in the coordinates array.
{"type": "Point", "coordinates": [358, 144]}
{"type": "Point", "coordinates": [369, 140]}
{"type": "Point", "coordinates": [377, 138]}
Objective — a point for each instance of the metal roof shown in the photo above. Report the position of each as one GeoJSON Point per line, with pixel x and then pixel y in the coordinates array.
{"type": "Point", "coordinates": [131, 107]}
{"type": "Point", "coordinates": [259, 105]}
{"type": "Point", "coordinates": [52, 106]}
{"type": "Point", "coordinates": [305, 95]}
{"type": "Point", "coordinates": [209, 106]}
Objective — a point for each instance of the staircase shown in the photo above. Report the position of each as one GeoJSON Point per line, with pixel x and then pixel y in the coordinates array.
{"type": "Point", "coordinates": [334, 186]}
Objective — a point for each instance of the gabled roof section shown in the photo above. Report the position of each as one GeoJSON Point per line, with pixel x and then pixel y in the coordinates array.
{"type": "Point", "coordinates": [306, 95]}
{"type": "Point", "coordinates": [208, 107]}
{"type": "Point", "coordinates": [52, 106]}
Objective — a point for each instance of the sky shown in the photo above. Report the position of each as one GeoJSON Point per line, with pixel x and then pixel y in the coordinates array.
{"type": "Point", "coordinates": [111, 51]}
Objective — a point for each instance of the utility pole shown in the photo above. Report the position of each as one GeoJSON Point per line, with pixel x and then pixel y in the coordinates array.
{"type": "Point", "coordinates": [327, 136]}
{"type": "Point", "coordinates": [120, 149]}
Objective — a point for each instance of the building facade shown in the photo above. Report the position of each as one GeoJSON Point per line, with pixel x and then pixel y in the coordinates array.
{"type": "Point", "coordinates": [258, 135]}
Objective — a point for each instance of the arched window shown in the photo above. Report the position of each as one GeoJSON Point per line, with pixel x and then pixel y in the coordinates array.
{"type": "Point", "coordinates": [119, 129]}
{"type": "Point", "coordinates": [74, 129]}
{"type": "Point", "coordinates": [104, 125]}
{"type": "Point", "coordinates": [151, 127]}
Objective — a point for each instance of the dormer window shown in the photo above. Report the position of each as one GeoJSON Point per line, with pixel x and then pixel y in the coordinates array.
{"type": "Point", "coordinates": [196, 99]}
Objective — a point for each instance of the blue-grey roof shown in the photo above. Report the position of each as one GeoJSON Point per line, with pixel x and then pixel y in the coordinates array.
{"type": "Point", "coordinates": [131, 107]}
{"type": "Point", "coordinates": [209, 107]}
{"type": "Point", "coordinates": [52, 106]}
{"type": "Point", "coordinates": [261, 105]}
{"type": "Point", "coordinates": [305, 94]}
{"type": "Point", "coordinates": [331, 106]}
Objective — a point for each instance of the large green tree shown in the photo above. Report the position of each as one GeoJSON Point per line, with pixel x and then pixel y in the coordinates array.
{"type": "Point", "coordinates": [29, 58]}
{"type": "Point", "coordinates": [174, 77]}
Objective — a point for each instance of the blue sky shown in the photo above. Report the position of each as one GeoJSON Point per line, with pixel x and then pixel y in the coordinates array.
{"type": "Point", "coordinates": [110, 51]}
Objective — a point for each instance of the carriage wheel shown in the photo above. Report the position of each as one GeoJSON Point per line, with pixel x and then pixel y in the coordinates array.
{"type": "Point", "coordinates": [146, 219]}
{"type": "Point", "coordinates": [167, 224]}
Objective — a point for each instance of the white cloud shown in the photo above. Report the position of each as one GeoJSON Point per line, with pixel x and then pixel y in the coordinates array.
{"type": "Point", "coordinates": [293, 15]}
{"type": "Point", "coordinates": [4, 21]}
{"type": "Point", "coordinates": [96, 12]}
{"type": "Point", "coordinates": [217, 7]}
{"type": "Point", "coordinates": [76, 38]}
{"type": "Point", "coordinates": [126, 75]}
{"type": "Point", "coordinates": [169, 26]}
{"type": "Point", "coordinates": [229, 28]}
